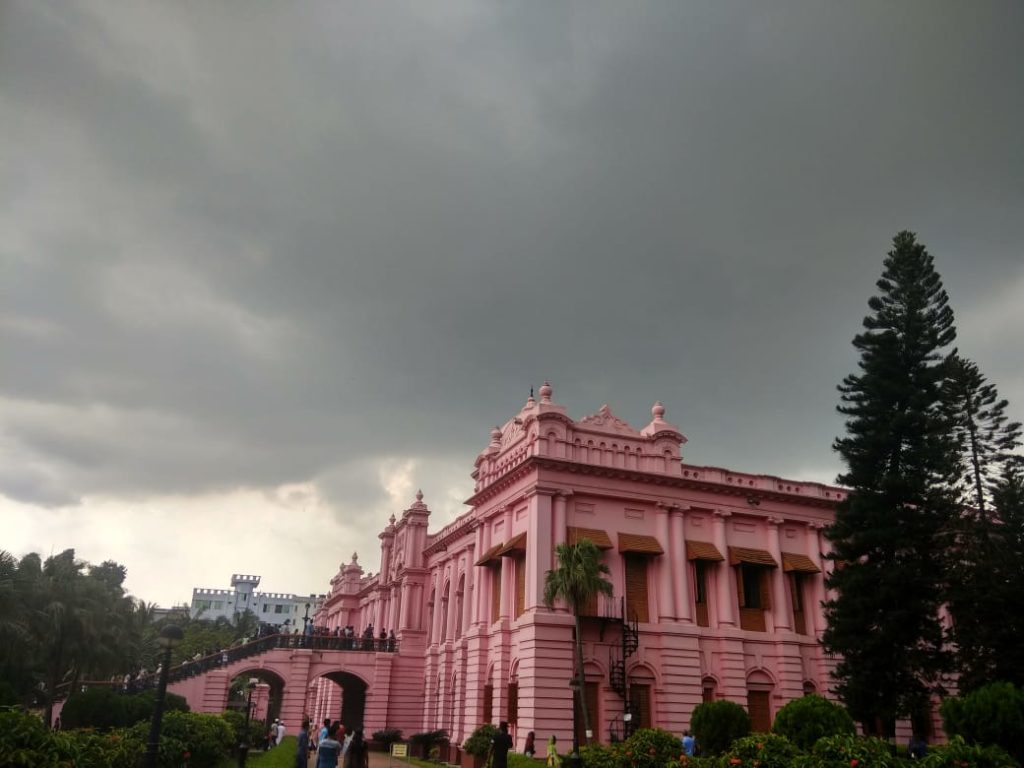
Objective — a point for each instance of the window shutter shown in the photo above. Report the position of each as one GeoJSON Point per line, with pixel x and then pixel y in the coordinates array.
{"type": "Point", "coordinates": [520, 587]}
{"type": "Point", "coordinates": [636, 588]}
{"type": "Point", "coordinates": [513, 702]}
{"type": "Point", "coordinates": [495, 596]}
{"type": "Point", "coordinates": [739, 587]}
{"type": "Point", "coordinates": [765, 584]}
{"type": "Point", "coordinates": [488, 702]}
{"type": "Point", "coordinates": [759, 708]}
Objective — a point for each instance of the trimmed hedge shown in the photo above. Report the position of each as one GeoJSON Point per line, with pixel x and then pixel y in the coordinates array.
{"type": "Point", "coordinates": [993, 714]}
{"type": "Point", "coordinates": [717, 724]}
{"type": "Point", "coordinates": [805, 720]}
{"type": "Point", "coordinates": [104, 708]}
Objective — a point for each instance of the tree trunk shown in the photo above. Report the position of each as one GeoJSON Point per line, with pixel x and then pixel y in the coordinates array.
{"type": "Point", "coordinates": [581, 689]}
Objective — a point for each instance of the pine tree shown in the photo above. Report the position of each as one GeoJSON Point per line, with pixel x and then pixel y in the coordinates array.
{"type": "Point", "coordinates": [986, 439]}
{"type": "Point", "coordinates": [986, 583]}
{"type": "Point", "coordinates": [901, 463]}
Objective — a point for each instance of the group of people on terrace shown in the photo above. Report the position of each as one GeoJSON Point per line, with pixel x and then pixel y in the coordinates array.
{"type": "Point", "coordinates": [369, 640]}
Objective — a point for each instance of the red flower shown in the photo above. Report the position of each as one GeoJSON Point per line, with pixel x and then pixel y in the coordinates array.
{"type": "Point", "coordinates": [760, 745]}
{"type": "Point", "coordinates": [651, 751]}
{"type": "Point", "coordinates": [188, 755]}
{"type": "Point", "coordinates": [734, 761]}
{"type": "Point", "coordinates": [854, 763]}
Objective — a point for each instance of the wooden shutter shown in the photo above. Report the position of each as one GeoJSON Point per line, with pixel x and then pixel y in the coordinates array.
{"type": "Point", "coordinates": [700, 581]}
{"type": "Point", "coordinates": [707, 693]}
{"type": "Point", "coordinates": [591, 692]}
{"type": "Point", "coordinates": [640, 703]}
{"type": "Point", "coordinates": [765, 583]}
{"type": "Point", "coordinates": [796, 584]}
{"type": "Point", "coordinates": [495, 595]}
{"type": "Point", "coordinates": [759, 708]}
{"type": "Point", "coordinates": [488, 702]}
{"type": "Point", "coordinates": [513, 702]}
{"type": "Point", "coordinates": [750, 618]}
{"type": "Point", "coordinates": [636, 587]}
{"type": "Point", "coordinates": [520, 587]}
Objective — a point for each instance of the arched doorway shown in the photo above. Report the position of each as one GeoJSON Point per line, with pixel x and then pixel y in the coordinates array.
{"type": "Point", "coordinates": [266, 696]}
{"type": "Point", "coordinates": [353, 699]}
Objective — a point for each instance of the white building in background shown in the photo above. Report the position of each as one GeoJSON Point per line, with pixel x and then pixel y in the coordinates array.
{"type": "Point", "coordinates": [283, 609]}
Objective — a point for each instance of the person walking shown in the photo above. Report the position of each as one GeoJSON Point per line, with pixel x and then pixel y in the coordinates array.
{"type": "Point", "coordinates": [357, 754]}
{"type": "Point", "coordinates": [688, 743]}
{"type": "Point", "coordinates": [530, 748]}
{"type": "Point", "coordinates": [501, 743]}
{"type": "Point", "coordinates": [554, 761]}
{"type": "Point", "coordinates": [302, 751]}
{"type": "Point", "coordinates": [329, 751]}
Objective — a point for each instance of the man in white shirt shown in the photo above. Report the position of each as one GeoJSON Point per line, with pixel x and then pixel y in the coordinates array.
{"type": "Point", "coordinates": [280, 731]}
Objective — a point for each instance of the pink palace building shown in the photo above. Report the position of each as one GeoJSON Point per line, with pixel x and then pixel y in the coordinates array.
{"type": "Point", "coordinates": [718, 580]}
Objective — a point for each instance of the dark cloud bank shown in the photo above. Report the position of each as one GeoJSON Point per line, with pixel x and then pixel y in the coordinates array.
{"type": "Point", "coordinates": [253, 245]}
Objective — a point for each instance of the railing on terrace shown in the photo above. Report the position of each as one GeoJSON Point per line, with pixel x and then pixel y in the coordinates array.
{"type": "Point", "coordinates": [228, 656]}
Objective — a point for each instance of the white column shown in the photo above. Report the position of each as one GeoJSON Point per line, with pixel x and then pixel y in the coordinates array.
{"type": "Point", "coordinates": [818, 546]}
{"type": "Point", "coordinates": [680, 565]}
{"type": "Point", "coordinates": [780, 600]}
{"type": "Point", "coordinates": [538, 547]}
{"type": "Point", "coordinates": [726, 594]}
{"type": "Point", "coordinates": [665, 568]}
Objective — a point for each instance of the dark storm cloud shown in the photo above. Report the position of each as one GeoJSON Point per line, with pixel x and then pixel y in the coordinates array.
{"type": "Point", "coordinates": [255, 245]}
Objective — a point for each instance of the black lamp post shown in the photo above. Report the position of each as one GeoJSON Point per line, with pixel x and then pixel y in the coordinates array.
{"type": "Point", "coordinates": [170, 636]}
{"type": "Point", "coordinates": [243, 747]}
{"type": "Point", "coordinates": [305, 619]}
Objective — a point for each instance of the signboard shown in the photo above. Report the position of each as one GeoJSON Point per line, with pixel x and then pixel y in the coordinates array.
{"type": "Point", "coordinates": [399, 750]}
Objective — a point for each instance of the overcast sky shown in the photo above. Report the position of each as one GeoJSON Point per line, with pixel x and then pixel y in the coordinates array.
{"type": "Point", "coordinates": [267, 268]}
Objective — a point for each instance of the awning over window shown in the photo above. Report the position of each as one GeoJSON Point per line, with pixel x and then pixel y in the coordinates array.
{"type": "Point", "coordinates": [798, 563]}
{"type": "Point", "coordinates": [702, 550]}
{"type": "Point", "coordinates": [596, 535]}
{"type": "Point", "coordinates": [491, 556]}
{"type": "Point", "coordinates": [643, 545]}
{"type": "Point", "coordinates": [738, 555]}
{"type": "Point", "coordinates": [515, 547]}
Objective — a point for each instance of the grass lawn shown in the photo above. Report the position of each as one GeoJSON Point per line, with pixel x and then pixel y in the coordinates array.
{"type": "Point", "coordinates": [281, 756]}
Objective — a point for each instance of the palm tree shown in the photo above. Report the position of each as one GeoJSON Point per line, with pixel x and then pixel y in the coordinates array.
{"type": "Point", "coordinates": [577, 579]}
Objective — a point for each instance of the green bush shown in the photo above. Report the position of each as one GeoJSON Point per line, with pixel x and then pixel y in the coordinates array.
{"type": "Point", "coordinates": [959, 754]}
{"type": "Point", "coordinates": [761, 750]}
{"type": "Point", "coordinates": [479, 742]}
{"type": "Point", "coordinates": [993, 714]}
{"type": "Point", "coordinates": [651, 748]}
{"type": "Point", "coordinates": [598, 756]}
{"type": "Point", "coordinates": [805, 720]}
{"type": "Point", "coordinates": [26, 743]}
{"type": "Point", "coordinates": [717, 724]}
{"type": "Point", "coordinates": [207, 739]}
{"type": "Point", "coordinates": [846, 751]}
{"type": "Point", "coordinates": [236, 721]}
{"type": "Point", "coordinates": [387, 737]}
{"type": "Point", "coordinates": [105, 708]}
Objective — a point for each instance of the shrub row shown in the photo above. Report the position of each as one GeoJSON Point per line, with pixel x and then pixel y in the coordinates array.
{"type": "Point", "coordinates": [26, 743]}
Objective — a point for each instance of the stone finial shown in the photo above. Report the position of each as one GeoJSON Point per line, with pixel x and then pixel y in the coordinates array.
{"type": "Point", "coordinates": [355, 558]}
{"type": "Point", "coordinates": [530, 402]}
{"type": "Point", "coordinates": [546, 392]}
{"type": "Point", "coordinates": [658, 411]}
{"type": "Point", "coordinates": [419, 495]}
{"type": "Point", "coordinates": [391, 519]}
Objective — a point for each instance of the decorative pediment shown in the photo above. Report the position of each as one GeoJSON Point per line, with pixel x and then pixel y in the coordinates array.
{"type": "Point", "coordinates": [606, 421]}
{"type": "Point", "coordinates": [512, 432]}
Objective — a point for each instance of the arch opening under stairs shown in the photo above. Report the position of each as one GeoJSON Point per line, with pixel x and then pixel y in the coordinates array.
{"type": "Point", "coordinates": [352, 709]}
{"type": "Point", "coordinates": [266, 706]}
